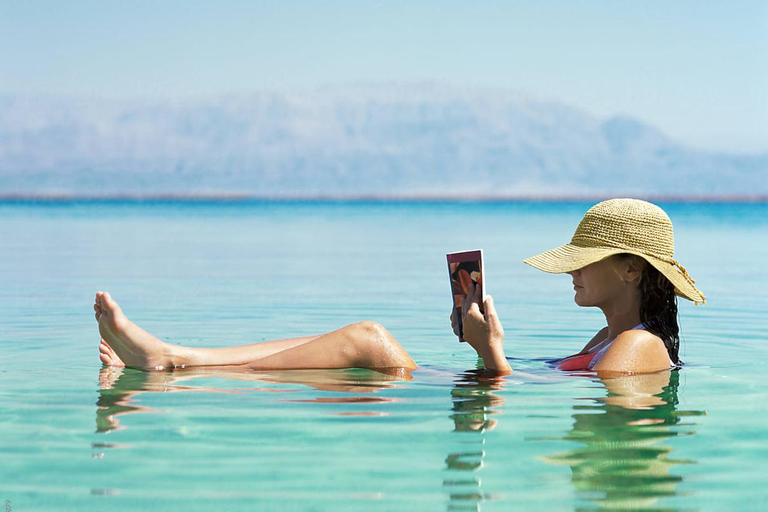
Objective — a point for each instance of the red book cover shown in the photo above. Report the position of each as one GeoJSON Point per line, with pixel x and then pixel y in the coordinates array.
{"type": "Point", "coordinates": [463, 268]}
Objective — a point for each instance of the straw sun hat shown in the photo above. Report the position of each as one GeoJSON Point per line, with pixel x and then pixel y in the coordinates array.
{"type": "Point", "coordinates": [622, 226]}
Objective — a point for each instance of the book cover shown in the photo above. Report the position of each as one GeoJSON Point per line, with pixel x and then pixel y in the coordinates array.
{"type": "Point", "coordinates": [465, 267]}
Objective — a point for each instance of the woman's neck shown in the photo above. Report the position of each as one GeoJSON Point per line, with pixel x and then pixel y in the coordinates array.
{"type": "Point", "coordinates": [622, 316]}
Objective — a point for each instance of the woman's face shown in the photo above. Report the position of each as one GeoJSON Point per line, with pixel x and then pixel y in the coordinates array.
{"type": "Point", "coordinates": [602, 282]}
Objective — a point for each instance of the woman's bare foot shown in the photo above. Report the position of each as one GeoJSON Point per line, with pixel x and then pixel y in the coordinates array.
{"type": "Point", "coordinates": [125, 343]}
{"type": "Point", "coordinates": [108, 356]}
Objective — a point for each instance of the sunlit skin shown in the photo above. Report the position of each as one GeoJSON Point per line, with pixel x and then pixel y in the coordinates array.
{"type": "Point", "coordinates": [612, 285]}
{"type": "Point", "coordinates": [359, 345]}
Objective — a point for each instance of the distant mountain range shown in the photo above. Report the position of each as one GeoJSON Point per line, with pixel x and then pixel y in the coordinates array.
{"type": "Point", "coordinates": [399, 140]}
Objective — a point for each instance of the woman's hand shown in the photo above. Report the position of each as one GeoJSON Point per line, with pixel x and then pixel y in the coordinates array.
{"type": "Point", "coordinates": [483, 330]}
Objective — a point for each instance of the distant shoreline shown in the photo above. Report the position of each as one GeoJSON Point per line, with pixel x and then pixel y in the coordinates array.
{"type": "Point", "coordinates": [372, 198]}
{"type": "Point", "coordinates": [364, 198]}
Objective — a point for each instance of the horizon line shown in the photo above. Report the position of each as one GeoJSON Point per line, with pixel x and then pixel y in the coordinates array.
{"type": "Point", "coordinates": [225, 197]}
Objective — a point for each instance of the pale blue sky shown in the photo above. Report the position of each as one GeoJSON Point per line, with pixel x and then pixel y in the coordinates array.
{"type": "Point", "coordinates": [697, 70]}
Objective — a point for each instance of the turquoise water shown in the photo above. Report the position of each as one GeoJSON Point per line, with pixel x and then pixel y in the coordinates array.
{"type": "Point", "coordinates": [79, 437]}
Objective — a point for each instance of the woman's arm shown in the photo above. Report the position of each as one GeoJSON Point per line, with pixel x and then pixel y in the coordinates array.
{"type": "Point", "coordinates": [484, 332]}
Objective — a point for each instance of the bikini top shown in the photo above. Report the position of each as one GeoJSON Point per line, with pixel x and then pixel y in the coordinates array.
{"type": "Point", "coordinates": [585, 361]}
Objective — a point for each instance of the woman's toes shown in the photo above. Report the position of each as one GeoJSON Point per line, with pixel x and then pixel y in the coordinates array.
{"type": "Point", "coordinates": [109, 360]}
{"type": "Point", "coordinates": [106, 349]}
{"type": "Point", "coordinates": [108, 356]}
{"type": "Point", "coordinates": [107, 302]}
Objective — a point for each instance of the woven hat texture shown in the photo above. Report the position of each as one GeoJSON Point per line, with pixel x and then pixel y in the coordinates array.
{"type": "Point", "coordinates": [619, 226]}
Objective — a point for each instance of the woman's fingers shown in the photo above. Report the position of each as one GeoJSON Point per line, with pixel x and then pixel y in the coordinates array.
{"type": "Point", "coordinates": [472, 312]}
{"type": "Point", "coordinates": [467, 302]}
{"type": "Point", "coordinates": [474, 293]}
{"type": "Point", "coordinates": [477, 296]}
{"type": "Point", "coordinates": [472, 303]}
{"type": "Point", "coordinates": [475, 313]}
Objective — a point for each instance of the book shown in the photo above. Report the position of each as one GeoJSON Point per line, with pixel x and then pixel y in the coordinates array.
{"type": "Point", "coordinates": [465, 267]}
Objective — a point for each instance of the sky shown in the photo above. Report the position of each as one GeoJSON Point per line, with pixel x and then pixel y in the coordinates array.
{"type": "Point", "coordinates": [696, 70]}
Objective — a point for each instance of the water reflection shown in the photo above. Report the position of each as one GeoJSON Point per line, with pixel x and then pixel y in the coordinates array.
{"type": "Point", "coordinates": [474, 403]}
{"type": "Point", "coordinates": [120, 387]}
{"type": "Point", "coordinates": [622, 460]}
{"type": "Point", "coordinates": [621, 456]}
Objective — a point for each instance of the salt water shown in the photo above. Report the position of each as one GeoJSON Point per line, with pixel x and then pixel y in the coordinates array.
{"type": "Point", "coordinates": [76, 436]}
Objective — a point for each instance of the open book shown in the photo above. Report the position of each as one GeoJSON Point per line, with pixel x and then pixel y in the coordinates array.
{"type": "Point", "coordinates": [465, 267]}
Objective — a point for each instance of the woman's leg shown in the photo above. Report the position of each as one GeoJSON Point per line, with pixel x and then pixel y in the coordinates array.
{"type": "Point", "coordinates": [364, 344]}
{"type": "Point", "coordinates": [359, 345]}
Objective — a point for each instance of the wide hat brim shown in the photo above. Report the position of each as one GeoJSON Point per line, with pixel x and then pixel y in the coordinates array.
{"type": "Point", "coordinates": [570, 257]}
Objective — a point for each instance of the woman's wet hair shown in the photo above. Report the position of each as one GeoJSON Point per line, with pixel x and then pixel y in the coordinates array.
{"type": "Point", "coordinates": [658, 307]}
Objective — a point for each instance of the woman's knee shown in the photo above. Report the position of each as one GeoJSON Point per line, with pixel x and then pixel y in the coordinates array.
{"type": "Point", "coordinates": [368, 331]}
{"type": "Point", "coordinates": [376, 346]}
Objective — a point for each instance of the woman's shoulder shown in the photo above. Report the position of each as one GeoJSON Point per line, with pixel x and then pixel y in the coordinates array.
{"type": "Point", "coordinates": [635, 351]}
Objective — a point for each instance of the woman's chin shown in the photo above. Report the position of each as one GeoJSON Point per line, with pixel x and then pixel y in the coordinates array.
{"type": "Point", "coordinates": [580, 301]}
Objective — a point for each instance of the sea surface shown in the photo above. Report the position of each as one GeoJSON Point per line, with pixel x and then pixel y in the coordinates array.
{"type": "Point", "coordinates": [77, 436]}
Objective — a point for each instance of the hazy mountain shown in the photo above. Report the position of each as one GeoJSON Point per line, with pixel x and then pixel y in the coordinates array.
{"type": "Point", "coordinates": [419, 139]}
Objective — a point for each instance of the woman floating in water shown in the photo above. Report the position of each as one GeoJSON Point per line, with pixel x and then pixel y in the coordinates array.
{"type": "Point", "coordinates": [621, 259]}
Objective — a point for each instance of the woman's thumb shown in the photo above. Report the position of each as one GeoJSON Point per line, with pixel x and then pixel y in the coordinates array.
{"type": "Point", "coordinates": [488, 304]}
{"type": "Point", "coordinates": [490, 313]}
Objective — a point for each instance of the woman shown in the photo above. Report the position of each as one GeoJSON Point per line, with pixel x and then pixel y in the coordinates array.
{"type": "Point", "coordinates": [621, 259]}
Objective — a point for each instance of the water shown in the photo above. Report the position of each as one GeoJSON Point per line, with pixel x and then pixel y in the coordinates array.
{"type": "Point", "coordinates": [78, 437]}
